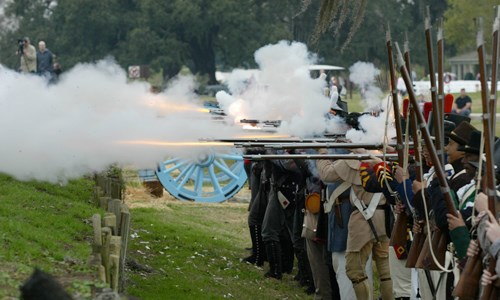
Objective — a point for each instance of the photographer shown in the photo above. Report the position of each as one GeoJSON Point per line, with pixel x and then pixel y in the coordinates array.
{"type": "Point", "coordinates": [28, 55]}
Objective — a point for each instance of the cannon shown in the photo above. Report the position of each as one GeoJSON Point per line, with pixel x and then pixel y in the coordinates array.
{"type": "Point", "coordinates": [213, 177]}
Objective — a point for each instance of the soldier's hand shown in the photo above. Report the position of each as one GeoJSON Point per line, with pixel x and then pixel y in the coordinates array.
{"type": "Point", "coordinates": [416, 186]}
{"type": "Point", "coordinates": [359, 151]}
{"type": "Point", "coordinates": [454, 222]}
{"type": "Point", "coordinates": [417, 226]}
{"type": "Point", "coordinates": [481, 202]}
{"type": "Point", "coordinates": [399, 208]}
{"type": "Point", "coordinates": [487, 278]}
{"type": "Point", "coordinates": [401, 175]}
{"type": "Point", "coordinates": [492, 228]}
{"type": "Point", "coordinates": [323, 151]}
{"type": "Point", "coordinates": [473, 248]}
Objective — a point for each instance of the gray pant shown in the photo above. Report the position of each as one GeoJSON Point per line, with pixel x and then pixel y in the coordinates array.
{"type": "Point", "coordinates": [321, 276]}
{"type": "Point", "coordinates": [276, 217]}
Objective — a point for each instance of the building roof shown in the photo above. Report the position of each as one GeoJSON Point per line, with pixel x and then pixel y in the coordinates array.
{"type": "Point", "coordinates": [468, 58]}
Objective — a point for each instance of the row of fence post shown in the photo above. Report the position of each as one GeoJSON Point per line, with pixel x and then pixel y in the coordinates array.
{"type": "Point", "coordinates": [111, 233]}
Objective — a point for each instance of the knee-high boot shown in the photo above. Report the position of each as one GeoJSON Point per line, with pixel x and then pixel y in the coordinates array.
{"type": "Point", "coordinates": [258, 253]}
{"type": "Point", "coordinates": [334, 283]}
{"type": "Point", "coordinates": [304, 275]}
{"type": "Point", "coordinates": [273, 250]}
{"type": "Point", "coordinates": [287, 252]}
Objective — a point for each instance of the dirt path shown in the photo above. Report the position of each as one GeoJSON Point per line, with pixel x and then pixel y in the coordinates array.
{"type": "Point", "coordinates": [137, 197]}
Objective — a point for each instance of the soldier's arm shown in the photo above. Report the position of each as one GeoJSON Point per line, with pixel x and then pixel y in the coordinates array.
{"type": "Point", "coordinates": [327, 170]}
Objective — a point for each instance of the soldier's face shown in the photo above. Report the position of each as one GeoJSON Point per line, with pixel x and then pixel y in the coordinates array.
{"type": "Point", "coordinates": [469, 168]}
{"type": "Point", "coordinates": [452, 151]}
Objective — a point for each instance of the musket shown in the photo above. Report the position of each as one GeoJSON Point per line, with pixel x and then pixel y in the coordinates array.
{"type": "Point", "coordinates": [467, 286]}
{"type": "Point", "coordinates": [494, 72]}
{"type": "Point", "coordinates": [399, 230]}
{"type": "Point", "coordinates": [488, 144]}
{"type": "Point", "coordinates": [440, 63]}
{"type": "Point", "coordinates": [418, 238]}
{"type": "Point", "coordinates": [438, 167]}
{"type": "Point", "coordinates": [320, 156]}
{"type": "Point", "coordinates": [273, 140]}
{"type": "Point", "coordinates": [435, 111]}
{"type": "Point", "coordinates": [439, 239]}
{"type": "Point", "coordinates": [273, 123]}
{"type": "Point", "coordinates": [311, 145]}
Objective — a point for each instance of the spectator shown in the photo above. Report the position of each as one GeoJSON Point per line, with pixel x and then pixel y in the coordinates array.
{"type": "Point", "coordinates": [44, 61]}
{"type": "Point", "coordinates": [28, 56]}
{"type": "Point", "coordinates": [463, 104]}
{"type": "Point", "coordinates": [336, 83]}
{"type": "Point", "coordinates": [401, 86]}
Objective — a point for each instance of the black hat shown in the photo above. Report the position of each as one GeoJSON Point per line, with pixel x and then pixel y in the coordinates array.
{"type": "Point", "coordinates": [474, 143]}
{"type": "Point", "coordinates": [461, 134]}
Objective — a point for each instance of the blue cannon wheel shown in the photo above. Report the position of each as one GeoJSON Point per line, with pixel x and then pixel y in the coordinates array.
{"type": "Point", "coordinates": [213, 177]}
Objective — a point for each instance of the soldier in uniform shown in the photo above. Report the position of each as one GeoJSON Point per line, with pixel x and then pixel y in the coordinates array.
{"type": "Point", "coordinates": [365, 235]}
{"type": "Point", "coordinates": [285, 177]}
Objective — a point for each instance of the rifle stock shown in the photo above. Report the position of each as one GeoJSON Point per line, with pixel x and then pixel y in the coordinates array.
{"type": "Point", "coordinates": [468, 284]}
{"type": "Point", "coordinates": [415, 249]}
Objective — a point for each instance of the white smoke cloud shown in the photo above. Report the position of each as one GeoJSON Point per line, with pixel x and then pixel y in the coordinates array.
{"type": "Point", "coordinates": [282, 89]}
{"type": "Point", "coordinates": [61, 131]}
{"type": "Point", "coordinates": [374, 129]}
{"type": "Point", "coordinates": [363, 74]}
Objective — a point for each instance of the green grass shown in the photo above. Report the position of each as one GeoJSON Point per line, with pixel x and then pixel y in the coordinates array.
{"type": "Point", "coordinates": [46, 226]}
{"type": "Point", "coordinates": [195, 250]}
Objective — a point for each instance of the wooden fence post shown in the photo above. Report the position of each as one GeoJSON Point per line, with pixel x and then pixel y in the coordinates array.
{"type": "Point", "coordinates": [125, 233]}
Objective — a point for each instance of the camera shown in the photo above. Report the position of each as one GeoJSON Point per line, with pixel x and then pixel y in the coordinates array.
{"type": "Point", "coordinates": [20, 46]}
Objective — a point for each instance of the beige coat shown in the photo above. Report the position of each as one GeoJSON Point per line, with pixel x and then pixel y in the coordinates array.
{"type": "Point", "coordinates": [28, 60]}
{"type": "Point", "coordinates": [359, 230]}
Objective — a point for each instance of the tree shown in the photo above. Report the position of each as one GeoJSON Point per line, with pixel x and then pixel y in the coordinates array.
{"type": "Point", "coordinates": [460, 24]}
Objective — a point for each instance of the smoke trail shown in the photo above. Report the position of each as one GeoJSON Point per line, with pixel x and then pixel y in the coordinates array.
{"type": "Point", "coordinates": [364, 75]}
{"type": "Point", "coordinates": [282, 89]}
{"type": "Point", "coordinates": [63, 131]}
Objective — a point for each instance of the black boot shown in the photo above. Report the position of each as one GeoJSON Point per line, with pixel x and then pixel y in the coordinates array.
{"type": "Point", "coordinates": [257, 256]}
{"type": "Point", "coordinates": [334, 283]}
{"type": "Point", "coordinates": [305, 278]}
{"type": "Point", "coordinates": [287, 252]}
{"type": "Point", "coordinates": [273, 250]}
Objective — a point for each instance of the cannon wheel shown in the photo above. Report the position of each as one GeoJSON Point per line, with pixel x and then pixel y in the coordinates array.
{"type": "Point", "coordinates": [213, 177]}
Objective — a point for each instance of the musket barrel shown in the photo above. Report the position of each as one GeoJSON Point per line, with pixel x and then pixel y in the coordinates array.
{"type": "Point", "coordinates": [494, 73]}
{"type": "Point", "coordinates": [435, 105]}
{"type": "Point", "coordinates": [440, 56]}
{"type": "Point", "coordinates": [312, 145]}
{"type": "Point", "coordinates": [272, 140]}
{"type": "Point", "coordinates": [395, 100]}
{"type": "Point", "coordinates": [320, 156]}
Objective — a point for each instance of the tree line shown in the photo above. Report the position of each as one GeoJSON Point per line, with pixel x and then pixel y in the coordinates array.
{"type": "Point", "coordinates": [209, 35]}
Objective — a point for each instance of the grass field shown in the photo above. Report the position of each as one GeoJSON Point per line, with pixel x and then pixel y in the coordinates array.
{"type": "Point", "coordinates": [179, 250]}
